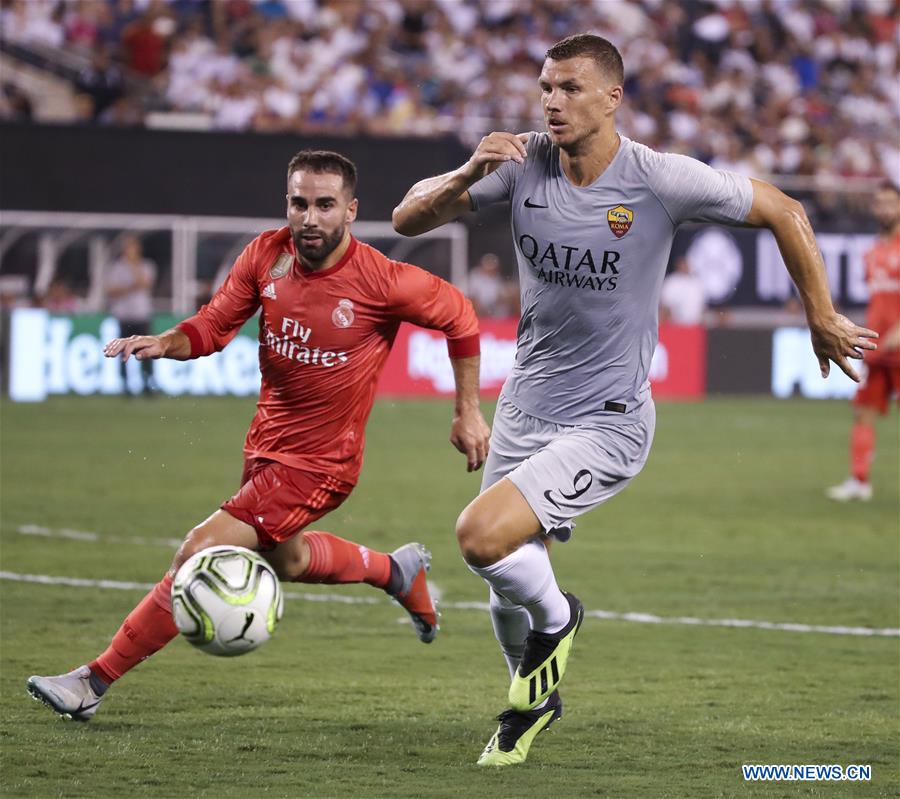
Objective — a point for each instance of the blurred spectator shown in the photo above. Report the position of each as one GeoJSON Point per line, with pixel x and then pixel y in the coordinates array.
{"type": "Point", "coordinates": [33, 22]}
{"type": "Point", "coordinates": [15, 104]}
{"type": "Point", "coordinates": [14, 291]}
{"type": "Point", "coordinates": [60, 298]}
{"type": "Point", "coordinates": [144, 43]}
{"type": "Point", "coordinates": [102, 81]}
{"type": "Point", "coordinates": [488, 291]}
{"type": "Point", "coordinates": [683, 299]}
{"type": "Point", "coordinates": [123, 113]}
{"type": "Point", "coordinates": [129, 289]}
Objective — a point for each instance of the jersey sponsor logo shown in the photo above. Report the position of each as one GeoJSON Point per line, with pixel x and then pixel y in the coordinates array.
{"type": "Point", "coordinates": [289, 345]}
{"type": "Point", "coordinates": [281, 266]}
{"type": "Point", "coordinates": [563, 265]}
{"type": "Point", "coordinates": [619, 219]}
{"type": "Point", "coordinates": [269, 291]}
{"type": "Point", "coordinates": [295, 329]}
{"type": "Point", "coordinates": [529, 204]}
{"type": "Point", "coordinates": [342, 316]}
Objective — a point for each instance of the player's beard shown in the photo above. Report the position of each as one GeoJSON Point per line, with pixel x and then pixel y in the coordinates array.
{"type": "Point", "coordinates": [315, 254]}
{"type": "Point", "coordinates": [888, 225]}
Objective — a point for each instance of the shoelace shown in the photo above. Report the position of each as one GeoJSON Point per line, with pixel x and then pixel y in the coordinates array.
{"type": "Point", "coordinates": [510, 732]}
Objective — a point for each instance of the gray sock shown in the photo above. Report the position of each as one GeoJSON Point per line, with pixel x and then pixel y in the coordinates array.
{"type": "Point", "coordinates": [97, 685]}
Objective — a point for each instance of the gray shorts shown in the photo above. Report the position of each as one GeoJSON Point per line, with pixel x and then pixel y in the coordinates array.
{"type": "Point", "coordinates": [564, 471]}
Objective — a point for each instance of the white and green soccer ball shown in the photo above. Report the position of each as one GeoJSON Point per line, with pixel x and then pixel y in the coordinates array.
{"type": "Point", "coordinates": [226, 600]}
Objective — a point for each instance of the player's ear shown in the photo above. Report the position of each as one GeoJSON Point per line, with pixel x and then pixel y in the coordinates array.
{"type": "Point", "coordinates": [616, 93]}
{"type": "Point", "coordinates": [352, 208]}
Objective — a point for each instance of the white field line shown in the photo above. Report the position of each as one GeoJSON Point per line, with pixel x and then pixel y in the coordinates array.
{"type": "Point", "coordinates": [95, 538]}
{"type": "Point", "coordinates": [608, 615]}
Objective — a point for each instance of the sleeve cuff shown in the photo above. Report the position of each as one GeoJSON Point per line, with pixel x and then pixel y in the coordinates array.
{"type": "Point", "coordinates": [193, 336]}
{"type": "Point", "coordinates": [466, 347]}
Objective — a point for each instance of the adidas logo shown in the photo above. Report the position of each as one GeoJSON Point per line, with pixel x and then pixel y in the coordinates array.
{"type": "Point", "coordinates": [269, 291]}
{"type": "Point", "coordinates": [532, 683]}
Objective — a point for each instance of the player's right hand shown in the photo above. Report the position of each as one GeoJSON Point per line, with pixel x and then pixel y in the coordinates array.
{"type": "Point", "coordinates": [494, 150]}
{"type": "Point", "coordinates": [471, 435]}
{"type": "Point", "coordinates": [142, 347]}
{"type": "Point", "coordinates": [837, 339]}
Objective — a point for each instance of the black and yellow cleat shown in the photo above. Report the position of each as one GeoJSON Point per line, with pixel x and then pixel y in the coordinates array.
{"type": "Point", "coordinates": [544, 661]}
{"type": "Point", "coordinates": [510, 744]}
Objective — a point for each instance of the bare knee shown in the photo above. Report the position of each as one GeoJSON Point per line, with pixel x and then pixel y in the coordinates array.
{"type": "Point", "coordinates": [495, 524]}
{"type": "Point", "coordinates": [480, 540]}
{"type": "Point", "coordinates": [195, 541]}
{"type": "Point", "coordinates": [220, 528]}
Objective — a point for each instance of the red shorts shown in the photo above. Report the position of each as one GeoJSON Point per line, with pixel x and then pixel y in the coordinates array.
{"type": "Point", "coordinates": [879, 383]}
{"type": "Point", "coordinates": [278, 501]}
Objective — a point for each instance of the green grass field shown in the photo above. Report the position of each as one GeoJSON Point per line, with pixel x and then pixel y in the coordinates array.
{"type": "Point", "coordinates": [728, 521]}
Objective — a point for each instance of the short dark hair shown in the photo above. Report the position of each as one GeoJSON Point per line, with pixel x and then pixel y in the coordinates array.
{"type": "Point", "coordinates": [604, 53]}
{"type": "Point", "coordinates": [325, 161]}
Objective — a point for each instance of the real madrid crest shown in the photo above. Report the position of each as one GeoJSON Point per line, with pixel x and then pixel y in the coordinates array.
{"type": "Point", "coordinates": [281, 266]}
{"type": "Point", "coordinates": [620, 219]}
{"type": "Point", "coordinates": [342, 316]}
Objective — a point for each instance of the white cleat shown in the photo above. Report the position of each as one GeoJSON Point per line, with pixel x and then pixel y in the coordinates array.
{"type": "Point", "coordinates": [851, 489]}
{"type": "Point", "coordinates": [70, 694]}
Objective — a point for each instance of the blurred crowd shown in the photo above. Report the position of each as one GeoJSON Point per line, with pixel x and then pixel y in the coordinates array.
{"type": "Point", "coordinates": [794, 87]}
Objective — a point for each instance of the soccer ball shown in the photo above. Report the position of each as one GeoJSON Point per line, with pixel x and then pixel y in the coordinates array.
{"type": "Point", "coordinates": [226, 600]}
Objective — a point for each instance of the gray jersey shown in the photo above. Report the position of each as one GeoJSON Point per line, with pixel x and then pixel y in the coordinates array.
{"type": "Point", "coordinates": [591, 265]}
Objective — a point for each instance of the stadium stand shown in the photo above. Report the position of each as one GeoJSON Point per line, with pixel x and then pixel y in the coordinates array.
{"type": "Point", "coordinates": [787, 88]}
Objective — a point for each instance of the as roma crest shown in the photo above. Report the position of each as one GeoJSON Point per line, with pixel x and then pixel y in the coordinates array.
{"type": "Point", "coordinates": [620, 219]}
{"type": "Point", "coordinates": [281, 266]}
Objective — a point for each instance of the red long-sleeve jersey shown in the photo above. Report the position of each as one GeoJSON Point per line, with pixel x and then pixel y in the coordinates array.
{"type": "Point", "coordinates": [324, 339]}
{"type": "Point", "coordinates": [883, 280]}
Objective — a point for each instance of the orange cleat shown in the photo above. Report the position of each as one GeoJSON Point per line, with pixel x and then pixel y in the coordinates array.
{"type": "Point", "coordinates": [413, 561]}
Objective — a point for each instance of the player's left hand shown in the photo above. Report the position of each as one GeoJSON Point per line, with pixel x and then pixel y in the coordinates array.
{"type": "Point", "coordinates": [470, 434]}
{"type": "Point", "coordinates": [837, 339]}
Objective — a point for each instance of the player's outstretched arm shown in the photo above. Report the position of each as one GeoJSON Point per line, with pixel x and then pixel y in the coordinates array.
{"type": "Point", "coordinates": [435, 201]}
{"type": "Point", "coordinates": [171, 344]}
{"type": "Point", "coordinates": [469, 432]}
{"type": "Point", "coordinates": [834, 337]}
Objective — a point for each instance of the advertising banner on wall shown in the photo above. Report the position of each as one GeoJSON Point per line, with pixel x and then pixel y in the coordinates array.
{"type": "Point", "coordinates": [744, 268]}
{"type": "Point", "coordinates": [51, 354]}
{"type": "Point", "coordinates": [795, 370]}
{"type": "Point", "coordinates": [55, 354]}
{"type": "Point", "coordinates": [419, 365]}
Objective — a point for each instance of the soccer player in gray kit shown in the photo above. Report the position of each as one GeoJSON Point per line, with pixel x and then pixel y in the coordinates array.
{"type": "Point", "coordinates": [593, 218]}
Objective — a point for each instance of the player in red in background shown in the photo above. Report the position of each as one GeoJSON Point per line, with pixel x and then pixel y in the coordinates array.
{"type": "Point", "coordinates": [882, 374]}
{"type": "Point", "coordinates": [331, 307]}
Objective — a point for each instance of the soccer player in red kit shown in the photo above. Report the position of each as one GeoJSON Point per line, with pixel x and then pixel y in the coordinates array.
{"type": "Point", "coordinates": [331, 307]}
{"type": "Point", "coordinates": [882, 374]}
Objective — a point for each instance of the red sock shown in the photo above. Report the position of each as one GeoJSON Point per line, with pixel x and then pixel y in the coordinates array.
{"type": "Point", "coordinates": [147, 629]}
{"type": "Point", "coordinates": [862, 448]}
{"type": "Point", "coordinates": [335, 560]}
